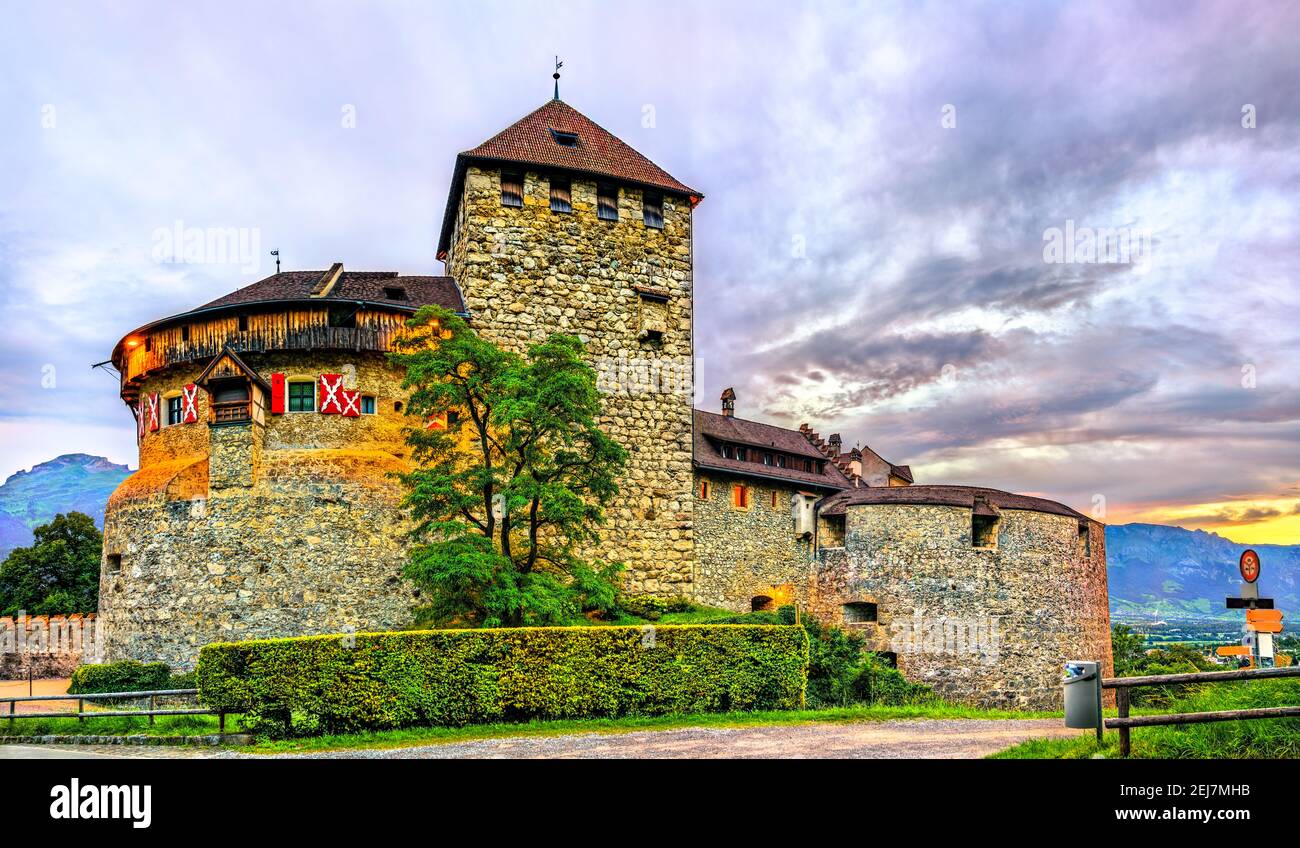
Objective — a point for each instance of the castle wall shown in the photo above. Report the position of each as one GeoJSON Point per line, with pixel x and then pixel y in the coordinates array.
{"type": "Point", "coordinates": [741, 554]}
{"type": "Point", "coordinates": [987, 626]}
{"type": "Point", "coordinates": [529, 272]}
{"type": "Point", "coordinates": [247, 530]}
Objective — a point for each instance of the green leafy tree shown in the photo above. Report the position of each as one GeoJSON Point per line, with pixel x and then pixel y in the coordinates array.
{"type": "Point", "coordinates": [508, 496]}
{"type": "Point", "coordinates": [59, 573]}
{"type": "Point", "coordinates": [1127, 650]}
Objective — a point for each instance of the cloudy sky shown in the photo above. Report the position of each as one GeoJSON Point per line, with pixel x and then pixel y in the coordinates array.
{"type": "Point", "coordinates": [877, 255]}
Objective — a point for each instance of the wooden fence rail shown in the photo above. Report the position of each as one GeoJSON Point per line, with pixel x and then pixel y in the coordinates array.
{"type": "Point", "coordinates": [1124, 723]}
{"type": "Point", "coordinates": [81, 712]}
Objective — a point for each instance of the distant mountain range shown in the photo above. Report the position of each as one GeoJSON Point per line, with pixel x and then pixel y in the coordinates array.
{"type": "Point", "coordinates": [1156, 572]}
{"type": "Point", "coordinates": [1173, 574]}
{"type": "Point", "coordinates": [75, 481]}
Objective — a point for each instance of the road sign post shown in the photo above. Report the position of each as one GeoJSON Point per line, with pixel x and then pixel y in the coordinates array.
{"type": "Point", "coordinates": [1262, 621]}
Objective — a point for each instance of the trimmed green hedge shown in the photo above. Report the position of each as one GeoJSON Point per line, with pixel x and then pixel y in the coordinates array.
{"type": "Point", "coordinates": [123, 676]}
{"type": "Point", "coordinates": [458, 677]}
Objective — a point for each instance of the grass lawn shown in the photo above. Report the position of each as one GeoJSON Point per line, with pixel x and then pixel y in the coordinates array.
{"type": "Point", "coordinates": [434, 735]}
{"type": "Point", "coordinates": [184, 725]}
{"type": "Point", "coordinates": [1277, 738]}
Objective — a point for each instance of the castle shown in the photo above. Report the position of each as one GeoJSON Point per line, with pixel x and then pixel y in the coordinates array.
{"type": "Point", "coordinates": [270, 421]}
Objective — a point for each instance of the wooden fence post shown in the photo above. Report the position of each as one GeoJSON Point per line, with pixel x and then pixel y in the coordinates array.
{"type": "Point", "coordinates": [1121, 701]}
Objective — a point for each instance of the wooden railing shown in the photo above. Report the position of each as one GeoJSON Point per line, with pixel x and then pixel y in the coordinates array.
{"type": "Point", "coordinates": [229, 411]}
{"type": "Point", "coordinates": [1124, 723]}
{"type": "Point", "coordinates": [293, 330]}
{"type": "Point", "coordinates": [81, 714]}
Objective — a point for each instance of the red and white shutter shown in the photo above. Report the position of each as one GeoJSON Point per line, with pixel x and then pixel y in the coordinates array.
{"type": "Point", "coordinates": [189, 404]}
{"type": "Point", "coordinates": [141, 418]}
{"type": "Point", "coordinates": [351, 402]}
{"type": "Point", "coordinates": [277, 394]}
{"type": "Point", "coordinates": [331, 402]}
{"type": "Point", "coordinates": [437, 421]}
{"type": "Point", "coordinates": [154, 418]}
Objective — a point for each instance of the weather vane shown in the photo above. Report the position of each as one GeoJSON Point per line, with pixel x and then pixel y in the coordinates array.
{"type": "Point", "coordinates": [276, 254]}
{"type": "Point", "coordinates": [556, 76]}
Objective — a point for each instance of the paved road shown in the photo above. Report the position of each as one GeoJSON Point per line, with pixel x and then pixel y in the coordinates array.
{"type": "Point", "coordinates": [913, 738]}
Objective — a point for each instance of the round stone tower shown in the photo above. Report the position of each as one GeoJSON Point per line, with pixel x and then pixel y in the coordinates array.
{"type": "Point", "coordinates": [269, 425]}
{"type": "Point", "coordinates": [982, 594]}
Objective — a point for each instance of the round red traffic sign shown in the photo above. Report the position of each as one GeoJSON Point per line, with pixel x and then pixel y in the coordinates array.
{"type": "Point", "coordinates": [1249, 565]}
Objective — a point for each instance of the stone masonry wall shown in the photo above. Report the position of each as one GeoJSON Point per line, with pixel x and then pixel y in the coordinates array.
{"type": "Point", "coordinates": [529, 272]}
{"type": "Point", "coordinates": [311, 541]}
{"type": "Point", "coordinates": [741, 554]}
{"type": "Point", "coordinates": [987, 626]}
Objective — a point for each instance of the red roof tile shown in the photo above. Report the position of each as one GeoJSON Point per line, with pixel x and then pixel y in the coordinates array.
{"type": "Point", "coordinates": [530, 141]}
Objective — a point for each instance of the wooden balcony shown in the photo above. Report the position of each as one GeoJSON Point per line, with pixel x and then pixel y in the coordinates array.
{"type": "Point", "coordinates": [304, 330]}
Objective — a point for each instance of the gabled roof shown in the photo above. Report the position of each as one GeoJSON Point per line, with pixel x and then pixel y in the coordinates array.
{"type": "Point", "coordinates": [712, 430]}
{"type": "Point", "coordinates": [531, 141]}
{"type": "Point", "coordinates": [240, 366]}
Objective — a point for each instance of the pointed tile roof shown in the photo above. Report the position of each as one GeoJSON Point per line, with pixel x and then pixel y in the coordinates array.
{"type": "Point", "coordinates": [532, 140]}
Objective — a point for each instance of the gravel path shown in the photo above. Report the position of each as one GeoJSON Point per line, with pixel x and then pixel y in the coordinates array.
{"type": "Point", "coordinates": [913, 738]}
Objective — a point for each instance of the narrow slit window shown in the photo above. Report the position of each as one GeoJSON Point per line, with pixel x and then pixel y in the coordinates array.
{"type": "Point", "coordinates": [114, 563]}
{"type": "Point", "coordinates": [561, 195]}
{"type": "Point", "coordinates": [652, 205]}
{"type": "Point", "coordinates": [984, 531]}
{"type": "Point", "coordinates": [704, 490]}
{"type": "Point", "coordinates": [607, 202]}
{"type": "Point", "coordinates": [512, 189]}
{"type": "Point", "coordinates": [740, 496]}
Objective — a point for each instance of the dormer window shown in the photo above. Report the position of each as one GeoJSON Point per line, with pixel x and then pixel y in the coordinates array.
{"type": "Point", "coordinates": [512, 189]}
{"type": "Point", "coordinates": [607, 202]}
{"type": "Point", "coordinates": [394, 293]}
{"type": "Point", "coordinates": [564, 139]}
{"type": "Point", "coordinates": [561, 196]}
{"type": "Point", "coordinates": [652, 205]}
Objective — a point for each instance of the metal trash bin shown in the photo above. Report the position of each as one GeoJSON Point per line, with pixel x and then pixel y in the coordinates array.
{"type": "Point", "coordinates": [1082, 694]}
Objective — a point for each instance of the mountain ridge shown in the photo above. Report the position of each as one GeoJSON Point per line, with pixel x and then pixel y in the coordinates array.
{"type": "Point", "coordinates": [1172, 572]}
{"type": "Point", "coordinates": [73, 481]}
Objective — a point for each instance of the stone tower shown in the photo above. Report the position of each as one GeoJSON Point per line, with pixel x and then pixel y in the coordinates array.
{"type": "Point", "coordinates": [269, 425]}
{"type": "Point", "coordinates": [554, 225]}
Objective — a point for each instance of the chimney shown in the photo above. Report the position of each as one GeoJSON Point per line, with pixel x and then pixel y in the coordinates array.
{"type": "Point", "coordinates": [728, 402]}
{"type": "Point", "coordinates": [835, 444]}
